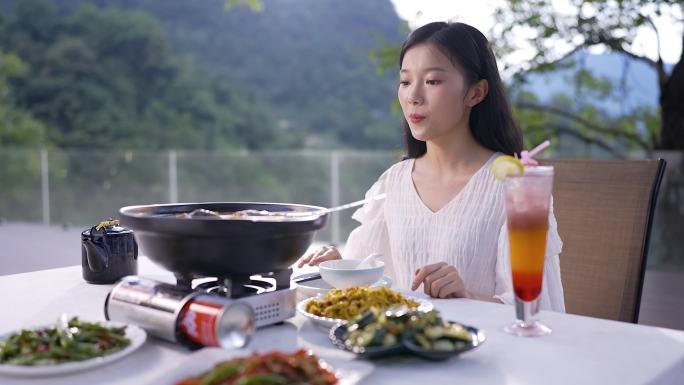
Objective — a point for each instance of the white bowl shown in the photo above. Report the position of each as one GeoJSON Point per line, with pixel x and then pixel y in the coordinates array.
{"type": "Point", "coordinates": [319, 286]}
{"type": "Point", "coordinates": [342, 273]}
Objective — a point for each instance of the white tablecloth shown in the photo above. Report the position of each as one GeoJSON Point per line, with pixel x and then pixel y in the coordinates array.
{"type": "Point", "coordinates": [580, 350]}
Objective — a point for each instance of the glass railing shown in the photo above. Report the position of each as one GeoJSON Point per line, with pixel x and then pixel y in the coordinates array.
{"type": "Point", "coordinates": [78, 188]}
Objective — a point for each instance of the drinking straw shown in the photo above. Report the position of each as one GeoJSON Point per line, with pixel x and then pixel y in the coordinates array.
{"type": "Point", "coordinates": [526, 157]}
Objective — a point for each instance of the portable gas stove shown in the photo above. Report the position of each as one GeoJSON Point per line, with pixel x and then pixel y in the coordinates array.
{"type": "Point", "coordinates": [271, 295]}
{"type": "Point", "coordinates": [240, 254]}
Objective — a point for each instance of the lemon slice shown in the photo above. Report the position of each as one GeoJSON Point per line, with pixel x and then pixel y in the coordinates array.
{"type": "Point", "coordinates": [505, 166]}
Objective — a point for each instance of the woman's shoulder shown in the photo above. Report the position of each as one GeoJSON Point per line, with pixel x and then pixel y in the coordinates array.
{"type": "Point", "coordinates": [386, 184]}
{"type": "Point", "coordinates": [395, 172]}
{"type": "Point", "coordinates": [400, 168]}
{"type": "Point", "coordinates": [484, 178]}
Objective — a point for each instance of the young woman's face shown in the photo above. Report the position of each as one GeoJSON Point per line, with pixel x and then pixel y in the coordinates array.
{"type": "Point", "coordinates": [432, 93]}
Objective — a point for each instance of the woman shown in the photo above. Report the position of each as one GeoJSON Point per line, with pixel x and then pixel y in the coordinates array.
{"type": "Point", "coordinates": [443, 223]}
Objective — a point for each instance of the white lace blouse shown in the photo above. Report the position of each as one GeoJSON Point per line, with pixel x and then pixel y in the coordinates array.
{"type": "Point", "coordinates": [469, 233]}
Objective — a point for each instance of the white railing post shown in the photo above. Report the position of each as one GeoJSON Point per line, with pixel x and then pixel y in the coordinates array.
{"type": "Point", "coordinates": [173, 177]}
{"type": "Point", "coordinates": [335, 195]}
{"type": "Point", "coordinates": [45, 185]}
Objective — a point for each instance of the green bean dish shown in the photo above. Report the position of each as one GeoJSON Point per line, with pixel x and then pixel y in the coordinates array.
{"type": "Point", "coordinates": [52, 345]}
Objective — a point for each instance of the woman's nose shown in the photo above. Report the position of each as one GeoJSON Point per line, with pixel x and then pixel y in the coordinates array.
{"type": "Point", "coordinates": [415, 99]}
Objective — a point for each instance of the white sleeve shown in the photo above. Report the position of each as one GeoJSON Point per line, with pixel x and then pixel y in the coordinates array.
{"type": "Point", "coordinates": [371, 236]}
{"type": "Point", "coordinates": [551, 297]}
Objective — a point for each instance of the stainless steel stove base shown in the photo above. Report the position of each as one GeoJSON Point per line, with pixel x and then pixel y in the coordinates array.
{"type": "Point", "coordinates": [272, 307]}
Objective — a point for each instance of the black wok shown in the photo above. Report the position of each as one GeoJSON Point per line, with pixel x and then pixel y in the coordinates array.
{"type": "Point", "coordinates": [214, 247]}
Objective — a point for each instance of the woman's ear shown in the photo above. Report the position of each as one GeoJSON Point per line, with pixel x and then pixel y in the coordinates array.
{"type": "Point", "coordinates": [477, 93]}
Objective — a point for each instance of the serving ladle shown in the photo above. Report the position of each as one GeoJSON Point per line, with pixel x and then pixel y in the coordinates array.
{"type": "Point", "coordinates": [251, 213]}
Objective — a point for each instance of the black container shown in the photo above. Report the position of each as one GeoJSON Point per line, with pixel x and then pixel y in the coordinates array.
{"type": "Point", "coordinates": [211, 247]}
{"type": "Point", "coordinates": [108, 253]}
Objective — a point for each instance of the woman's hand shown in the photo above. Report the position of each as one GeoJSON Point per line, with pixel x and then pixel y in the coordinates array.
{"type": "Point", "coordinates": [440, 280]}
{"type": "Point", "coordinates": [322, 254]}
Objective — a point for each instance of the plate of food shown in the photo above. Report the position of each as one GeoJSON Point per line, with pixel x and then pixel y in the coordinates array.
{"type": "Point", "coordinates": [339, 305]}
{"type": "Point", "coordinates": [67, 346]}
{"type": "Point", "coordinates": [378, 333]}
{"type": "Point", "coordinates": [218, 366]}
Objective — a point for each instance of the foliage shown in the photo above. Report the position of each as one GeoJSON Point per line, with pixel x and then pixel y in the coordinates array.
{"type": "Point", "coordinates": [17, 126]}
{"type": "Point", "coordinates": [556, 35]}
{"type": "Point", "coordinates": [107, 78]}
{"type": "Point", "coordinates": [254, 5]}
{"type": "Point", "coordinates": [307, 60]}
{"type": "Point", "coordinates": [543, 25]}
{"type": "Point", "coordinates": [133, 74]}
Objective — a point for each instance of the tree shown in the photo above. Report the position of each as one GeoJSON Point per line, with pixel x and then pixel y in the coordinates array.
{"type": "Point", "coordinates": [18, 128]}
{"type": "Point", "coordinates": [612, 25]}
{"type": "Point", "coordinates": [108, 78]}
{"type": "Point", "coordinates": [254, 5]}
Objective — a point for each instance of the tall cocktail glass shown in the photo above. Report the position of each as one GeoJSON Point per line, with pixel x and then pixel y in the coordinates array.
{"type": "Point", "coordinates": [528, 197]}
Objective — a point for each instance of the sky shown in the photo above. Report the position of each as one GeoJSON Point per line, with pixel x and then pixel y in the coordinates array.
{"type": "Point", "coordinates": [479, 15]}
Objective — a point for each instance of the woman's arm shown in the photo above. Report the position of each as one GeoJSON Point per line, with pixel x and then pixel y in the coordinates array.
{"type": "Point", "coordinates": [369, 237]}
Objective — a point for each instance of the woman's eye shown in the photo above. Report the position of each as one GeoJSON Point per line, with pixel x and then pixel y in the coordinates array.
{"type": "Point", "coordinates": [433, 82]}
{"type": "Point", "coordinates": [404, 83]}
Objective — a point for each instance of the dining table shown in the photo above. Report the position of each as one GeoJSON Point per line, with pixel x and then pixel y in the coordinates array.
{"type": "Point", "coordinates": [580, 350]}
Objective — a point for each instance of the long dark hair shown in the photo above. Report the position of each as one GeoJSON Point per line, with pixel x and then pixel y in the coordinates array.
{"type": "Point", "coordinates": [491, 121]}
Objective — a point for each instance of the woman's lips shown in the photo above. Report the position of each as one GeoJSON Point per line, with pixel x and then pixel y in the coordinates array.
{"type": "Point", "coordinates": [415, 118]}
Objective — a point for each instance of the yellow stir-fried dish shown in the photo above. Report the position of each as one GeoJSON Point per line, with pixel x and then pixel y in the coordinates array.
{"type": "Point", "coordinates": [348, 303]}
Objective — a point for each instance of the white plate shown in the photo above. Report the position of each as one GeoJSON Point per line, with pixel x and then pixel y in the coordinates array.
{"type": "Point", "coordinates": [347, 371]}
{"type": "Point", "coordinates": [319, 286]}
{"type": "Point", "coordinates": [133, 333]}
{"type": "Point", "coordinates": [327, 323]}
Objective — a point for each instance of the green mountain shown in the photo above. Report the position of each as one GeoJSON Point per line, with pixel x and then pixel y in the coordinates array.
{"type": "Point", "coordinates": [296, 74]}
